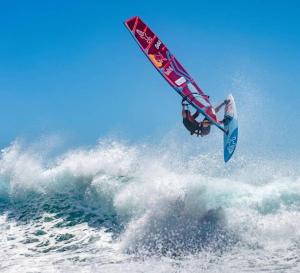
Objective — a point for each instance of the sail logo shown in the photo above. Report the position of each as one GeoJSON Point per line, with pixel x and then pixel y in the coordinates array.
{"type": "Point", "coordinates": [169, 70]}
{"type": "Point", "coordinates": [144, 36]}
{"type": "Point", "coordinates": [157, 44]}
{"type": "Point", "coordinates": [157, 59]}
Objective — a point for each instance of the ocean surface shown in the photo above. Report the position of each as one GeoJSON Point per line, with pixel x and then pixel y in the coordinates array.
{"type": "Point", "coordinates": [120, 207]}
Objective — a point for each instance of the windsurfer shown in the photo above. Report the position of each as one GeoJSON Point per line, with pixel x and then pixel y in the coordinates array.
{"type": "Point", "coordinates": [200, 128]}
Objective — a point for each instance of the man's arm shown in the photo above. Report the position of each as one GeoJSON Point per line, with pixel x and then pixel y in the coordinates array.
{"type": "Point", "coordinates": [196, 114]}
{"type": "Point", "coordinates": [217, 109]}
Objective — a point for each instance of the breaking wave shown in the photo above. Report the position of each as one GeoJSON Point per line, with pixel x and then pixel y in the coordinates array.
{"type": "Point", "coordinates": [115, 206]}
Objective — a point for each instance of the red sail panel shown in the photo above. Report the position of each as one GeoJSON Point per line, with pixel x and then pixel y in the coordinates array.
{"type": "Point", "coordinates": [170, 68]}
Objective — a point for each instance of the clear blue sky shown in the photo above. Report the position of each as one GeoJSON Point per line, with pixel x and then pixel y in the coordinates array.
{"type": "Point", "coordinates": [71, 68]}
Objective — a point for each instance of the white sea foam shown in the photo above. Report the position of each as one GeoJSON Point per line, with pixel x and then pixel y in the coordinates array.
{"type": "Point", "coordinates": [117, 207]}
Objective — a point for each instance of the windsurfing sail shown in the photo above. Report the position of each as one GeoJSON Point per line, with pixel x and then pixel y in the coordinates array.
{"type": "Point", "coordinates": [170, 68]}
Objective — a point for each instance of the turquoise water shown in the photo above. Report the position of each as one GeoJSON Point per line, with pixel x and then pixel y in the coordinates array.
{"type": "Point", "coordinates": [119, 207]}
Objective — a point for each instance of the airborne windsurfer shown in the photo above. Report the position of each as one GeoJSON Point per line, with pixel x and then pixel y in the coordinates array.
{"type": "Point", "coordinates": [181, 81]}
{"type": "Point", "coordinates": [200, 128]}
